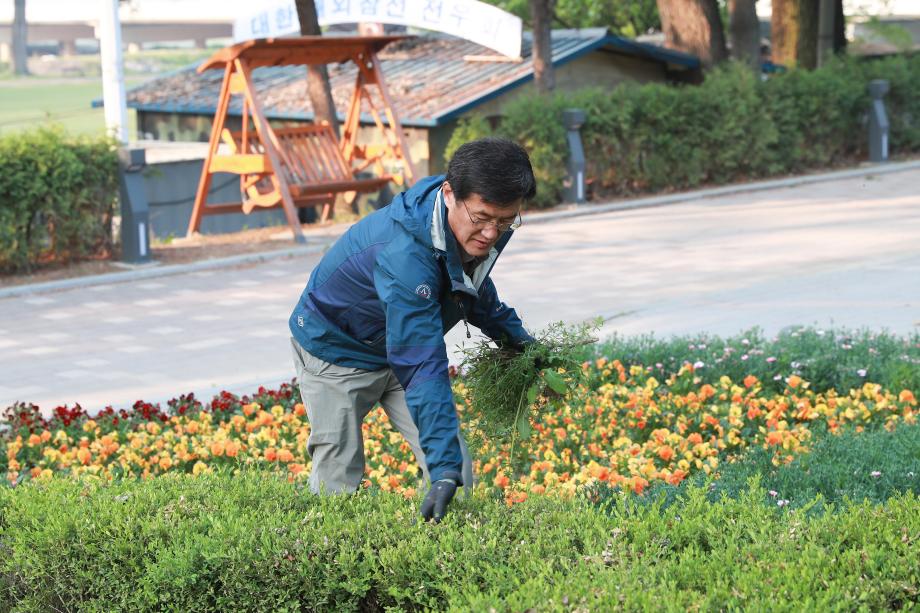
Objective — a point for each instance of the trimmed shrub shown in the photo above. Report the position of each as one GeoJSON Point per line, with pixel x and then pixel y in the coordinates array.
{"type": "Point", "coordinates": [252, 542]}
{"type": "Point", "coordinates": [57, 198]}
{"type": "Point", "coordinates": [641, 138]}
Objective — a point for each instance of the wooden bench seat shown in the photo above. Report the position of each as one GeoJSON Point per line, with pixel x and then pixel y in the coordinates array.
{"type": "Point", "coordinates": [312, 166]}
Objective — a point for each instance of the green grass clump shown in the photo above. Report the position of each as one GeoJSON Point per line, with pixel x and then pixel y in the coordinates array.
{"type": "Point", "coordinates": [505, 387]}
{"type": "Point", "coordinates": [252, 542]}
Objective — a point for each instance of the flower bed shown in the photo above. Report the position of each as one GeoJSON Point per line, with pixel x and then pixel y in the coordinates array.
{"type": "Point", "coordinates": [625, 428]}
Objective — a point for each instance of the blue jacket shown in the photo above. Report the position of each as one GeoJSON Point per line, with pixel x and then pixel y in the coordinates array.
{"type": "Point", "coordinates": [384, 296]}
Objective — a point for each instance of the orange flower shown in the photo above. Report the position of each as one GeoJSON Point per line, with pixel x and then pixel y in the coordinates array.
{"type": "Point", "coordinates": [753, 413]}
{"type": "Point", "coordinates": [676, 477]}
{"type": "Point", "coordinates": [34, 440]}
{"type": "Point", "coordinates": [231, 449]}
{"type": "Point", "coordinates": [284, 455]}
{"type": "Point", "coordinates": [165, 462]}
{"type": "Point", "coordinates": [84, 456]}
{"type": "Point", "coordinates": [666, 453]}
{"type": "Point", "coordinates": [502, 481]}
{"type": "Point", "coordinates": [907, 396]}
{"type": "Point", "coordinates": [536, 488]}
{"type": "Point", "coordinates": [516, 497]}
{"type": "Point", "coordinates": [750, 381]}
{"type": "Point", "coordinates": [270, 454]}
{"type": "Point", "coordinates": [774, 437]}
{"type": "Point", "coordinates": [217, 448]}
{"type": "Point", "coordinates": [299, 409]}
{"type": "Point", "coordinates": [46, 436]}
{"type": "Point", "coordinates": [696, 438]}
{"type": "Point", "coordinates": [639, 485]}
{"type": "Point", "coordinates": [794, 381]}
{"type": "Point", "coordinates": [560, 433]}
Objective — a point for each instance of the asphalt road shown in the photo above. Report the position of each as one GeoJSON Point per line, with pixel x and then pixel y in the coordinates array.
{"type": "Point", "coordinates": [844, 253]}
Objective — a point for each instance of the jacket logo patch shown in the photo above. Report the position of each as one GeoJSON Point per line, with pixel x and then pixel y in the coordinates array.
{"type": "Point", "coordinates": [424, 290]}
{"type": "Point", "coordinates": [300, 320]}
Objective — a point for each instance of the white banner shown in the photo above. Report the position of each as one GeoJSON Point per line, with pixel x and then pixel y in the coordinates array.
{"type": "Point", "coordinates": [476, 21]}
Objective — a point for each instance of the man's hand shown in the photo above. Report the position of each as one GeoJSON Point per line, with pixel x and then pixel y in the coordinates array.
{"type": "Point", "coordinates": [439, 496]}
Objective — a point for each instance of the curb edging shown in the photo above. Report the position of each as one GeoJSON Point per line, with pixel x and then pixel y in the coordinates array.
{"type": "Point", "coordinates": [532, 218]}
{"type": "Point", "coordinates": [148, 271]}
{"type": "Point", "coordinates": [681, 197]}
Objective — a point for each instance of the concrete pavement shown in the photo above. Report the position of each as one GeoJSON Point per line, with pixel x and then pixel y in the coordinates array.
{"type": "Point", "coordinates": [845, 252]}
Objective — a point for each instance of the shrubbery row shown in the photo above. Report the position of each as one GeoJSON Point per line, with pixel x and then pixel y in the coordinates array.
{"type": "Point", "coordinates": [641, 138]}
{"type": "Point", "coordinates": [57, 198]}
{"type": "Point", "coordinates": [257, 543]}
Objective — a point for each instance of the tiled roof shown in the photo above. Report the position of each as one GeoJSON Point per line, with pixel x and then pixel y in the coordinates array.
{"type": "Point", "coordinates": [429, 80]}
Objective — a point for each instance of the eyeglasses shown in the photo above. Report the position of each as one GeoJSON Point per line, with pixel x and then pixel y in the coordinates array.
{"type": "Point", "coordinates": [503, 226]}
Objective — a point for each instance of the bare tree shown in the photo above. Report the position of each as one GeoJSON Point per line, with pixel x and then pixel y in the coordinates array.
{"type": "Point", "coordinates": [695, 27]}
{"type": "Point", "coordinates": [318, 87]}
{"type": "Point", "coordinates": [744, 32]}
{"type": "Point", "coordinates": [542, 11]}
{"type": "Point", "coordinates": [20, 37]}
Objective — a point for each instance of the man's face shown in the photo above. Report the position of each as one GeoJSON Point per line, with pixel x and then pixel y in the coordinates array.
{"type": "Point", "coordinates": [476, 239]}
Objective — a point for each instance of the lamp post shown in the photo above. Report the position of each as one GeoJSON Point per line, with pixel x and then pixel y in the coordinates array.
{"type": "Point", "coordinates": [878, 122]}
{"type": "Point", "coordinates": [574, 186]}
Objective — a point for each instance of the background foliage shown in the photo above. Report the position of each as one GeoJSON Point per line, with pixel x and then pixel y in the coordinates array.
{"type": "Point", "coordinates": [734, 126]}
{"type": "Point", "coordinates": [57, 198]}
{"type": "Point", "coordinates": [628, 19]}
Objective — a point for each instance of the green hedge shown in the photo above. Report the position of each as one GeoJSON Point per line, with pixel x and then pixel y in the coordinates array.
{"type": "Point", "coordinates": [641, 138]}
{"type": "Point", "coordinates": [252, 542]}
{"type": "Point", "coordinates": [57, 198]}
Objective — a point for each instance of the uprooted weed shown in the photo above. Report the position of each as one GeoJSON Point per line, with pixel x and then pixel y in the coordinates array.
{"type": "Point", "coordinates": [507, 388]}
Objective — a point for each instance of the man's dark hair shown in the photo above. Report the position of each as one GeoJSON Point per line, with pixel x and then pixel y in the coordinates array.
{"type": "Point", "coordinates": [495, 168]}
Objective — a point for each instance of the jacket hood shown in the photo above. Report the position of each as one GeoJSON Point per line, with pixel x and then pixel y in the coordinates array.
{"type": "Point", "coordinates": [413, 208]}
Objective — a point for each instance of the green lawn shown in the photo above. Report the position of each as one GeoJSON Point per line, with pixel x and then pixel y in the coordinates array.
{"type": "Point", "coordinates": [29, 102]}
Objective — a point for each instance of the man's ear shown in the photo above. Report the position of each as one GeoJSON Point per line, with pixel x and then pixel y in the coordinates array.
{"type": "Point", "coordinates": [446, 190]}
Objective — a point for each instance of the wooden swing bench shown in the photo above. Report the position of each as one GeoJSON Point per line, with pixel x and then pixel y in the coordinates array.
{"type": "Point", "coordinates": [305, 165]}
{"type": "Point", "coordinates": [313, 167]}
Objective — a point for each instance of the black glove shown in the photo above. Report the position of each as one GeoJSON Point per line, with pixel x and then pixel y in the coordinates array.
{"type": "Point", "coordinates": [439, 496]}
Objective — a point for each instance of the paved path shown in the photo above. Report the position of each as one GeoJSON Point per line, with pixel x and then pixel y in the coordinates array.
{"type": "Point", "coordinates": [845, 253]}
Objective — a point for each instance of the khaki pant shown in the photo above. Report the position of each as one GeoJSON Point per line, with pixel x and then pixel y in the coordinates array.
{"type": "Point", "coordinates": [337, 399]}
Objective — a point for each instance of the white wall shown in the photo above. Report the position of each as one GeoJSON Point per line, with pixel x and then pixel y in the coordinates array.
{"type": "Point", "coordinates": [875, 8]}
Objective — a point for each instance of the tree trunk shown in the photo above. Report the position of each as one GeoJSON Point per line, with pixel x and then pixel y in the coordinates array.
{"type": "Point", "coordinates": [542, 13]}
{"type": "Point", "coordinates": [744, 32]}
{"type": "Point", "coordinates": [795, 32]}
{"type": "Point", "coordinates": [840, 29]}
{"type": "Point", "coordinates": [827, 14]}
{"type": "Point", "coordinates": [20, 37]}
{"type": "Point", "coordinates": [695, 27]}
{"type": "Point", "coordinates": [318, 87]}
